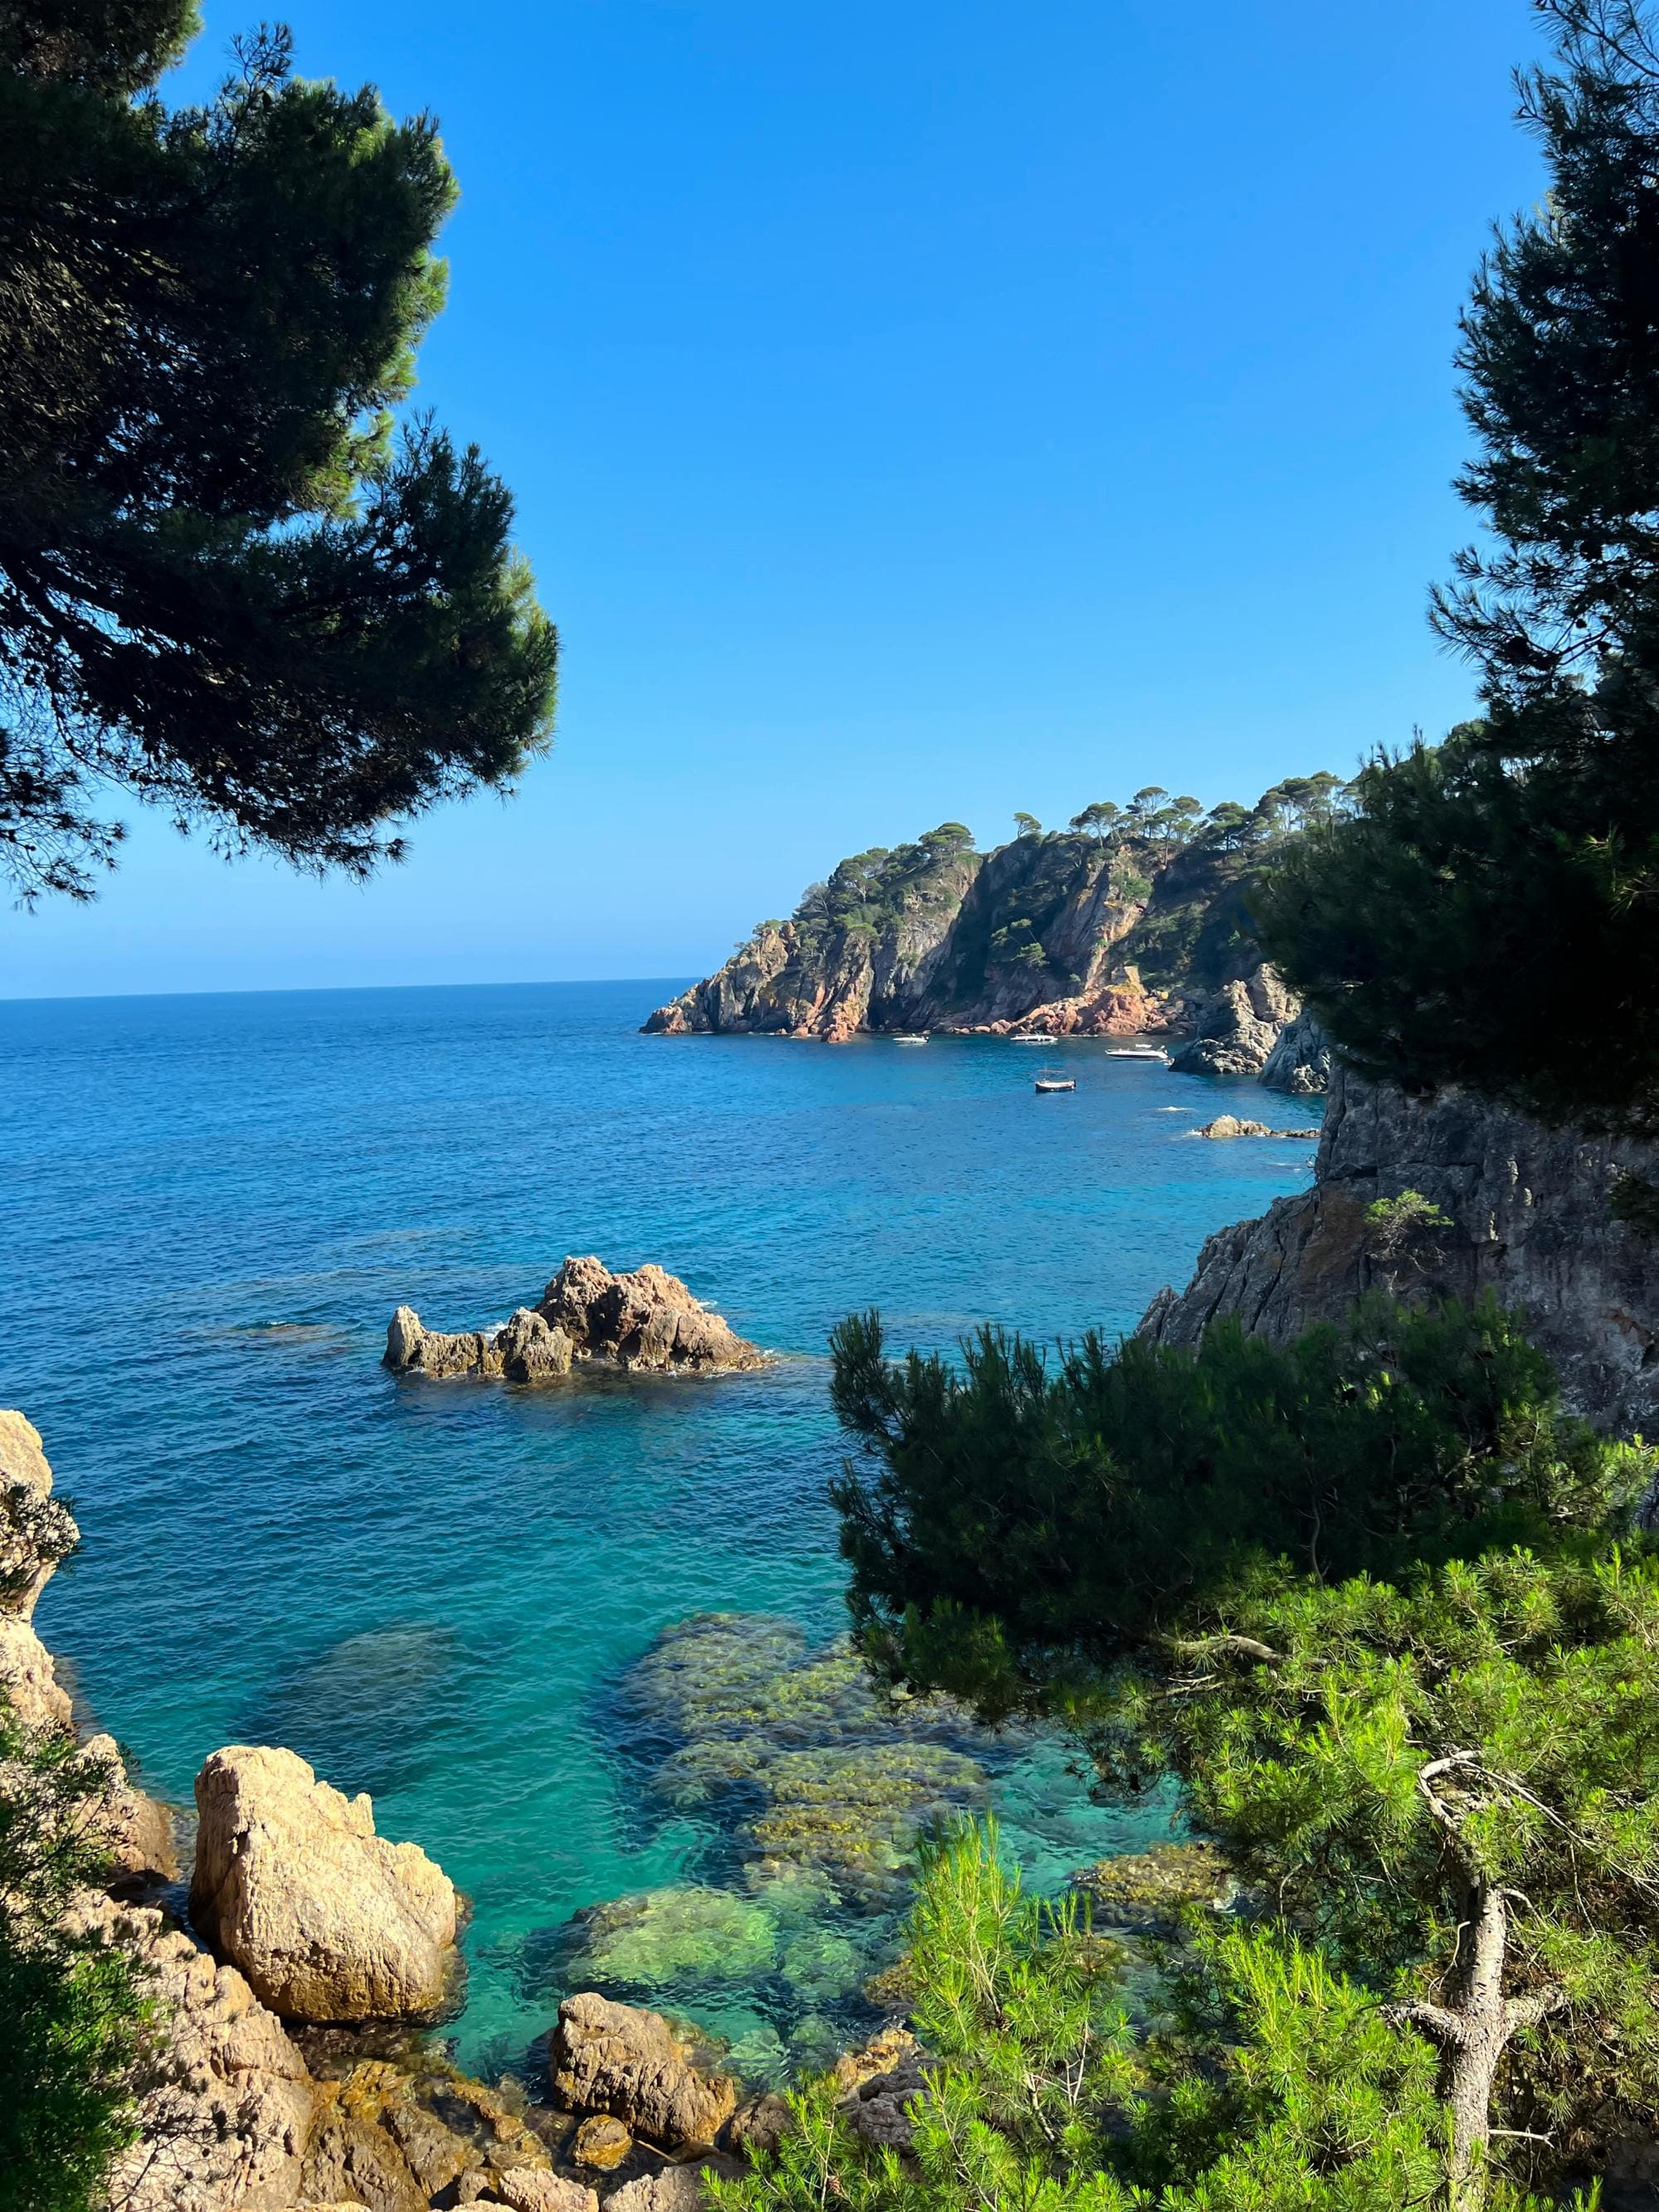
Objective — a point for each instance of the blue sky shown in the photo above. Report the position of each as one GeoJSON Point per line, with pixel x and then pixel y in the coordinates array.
{"type": "Point", "coordinates": [915, 410]}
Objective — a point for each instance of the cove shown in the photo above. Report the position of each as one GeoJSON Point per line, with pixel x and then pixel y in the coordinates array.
{"type": "Point", "coordinates": [466, 1598]}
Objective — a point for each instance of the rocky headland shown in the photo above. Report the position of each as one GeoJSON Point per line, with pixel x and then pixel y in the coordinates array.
{"type": "Point", "coordinates": [1140, 931]}
{"type": "Point", "coordinates": [645, 1321]}
{"type": "Point", "coordinates": [1523, 1211]}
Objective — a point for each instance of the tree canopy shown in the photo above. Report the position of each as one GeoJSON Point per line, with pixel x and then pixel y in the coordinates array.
{"type": "Point", "coordinates": [227, 583]}
{"type": "Point", "coordinates": [1489, 916]}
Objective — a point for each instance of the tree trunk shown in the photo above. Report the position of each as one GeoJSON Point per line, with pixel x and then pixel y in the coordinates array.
{"type": "Point", "coordinates": [1472, 2038]}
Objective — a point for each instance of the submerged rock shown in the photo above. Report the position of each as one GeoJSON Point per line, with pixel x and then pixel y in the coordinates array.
{"type": "Point", "coordinates": [677, 1935]}
{"type": "Point", "coordinates": [645, 1319]}
{"type": "Point", "coordinates": [612, 2058]}
{"type": "Point", "coordinates": [1156, 1891]}
{"type": "Point", "coordinates": [327, 1920]}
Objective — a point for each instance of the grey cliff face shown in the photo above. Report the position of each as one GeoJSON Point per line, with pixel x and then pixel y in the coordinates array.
{"type": "Point", "coordinates": [1238, 1028]}
{"type": "Point", "coordinates": [1529, 1220]}
{"type": "Point", "coordinates": [1300, 1062]}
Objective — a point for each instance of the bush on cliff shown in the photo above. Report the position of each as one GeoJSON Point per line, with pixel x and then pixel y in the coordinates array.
{"type": "Point", "coordinates": [76, 2031]}
{"type": "Point", "coordinates": [223, 583]}
{"type": "Point", "coordinates": [1489, 916]}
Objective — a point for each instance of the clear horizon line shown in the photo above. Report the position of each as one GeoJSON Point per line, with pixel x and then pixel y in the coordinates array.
{"type": "Point", "coordinates": [322, 990]}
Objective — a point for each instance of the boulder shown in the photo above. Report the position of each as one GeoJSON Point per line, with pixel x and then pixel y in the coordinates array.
{"type": "Point", "coordinates": [534, 2188]}
{"type": "Point", "coordinates": [1236, 1028]}
{"type": "Point", "coordinates": [602, 2142]}
{"type": "Point", "coordinates": [530, 1348]}
{"type": "Point", "coordinates": [761, 2124]}
{"type": "Point", "coordinates": [227, 2124]}
{"type": "Point", "coordinates": [144, 1849]}
{"type": "Point", "coordinates": [28, 1680]}
{"type": "Point", "coordinates": [327, 1920]}
{"type": "Point", "coordinates": [676, 2189]}
{"type": "Point", "coordinates": [1300, 1062]}
{"type": "Point", "coordinates": [647, 1319]}
{"type": "Point", "coordinates": [412, 1349]}
{"type": "Point", "coordinates": [36, 1531]}
{"type": "Point", "coordinates": [876, 2085]}
{"type": "Point", "coordinates": [613, 2058]}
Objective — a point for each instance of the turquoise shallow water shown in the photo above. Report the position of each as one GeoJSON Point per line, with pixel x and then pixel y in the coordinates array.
{"type": "Point", "coordinates": [442, 1593]}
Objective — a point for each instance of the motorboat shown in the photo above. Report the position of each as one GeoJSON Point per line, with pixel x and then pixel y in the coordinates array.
{"type": "Point", "coordinates": [1055, 1079]}
{"type": "Point", "coordinates": [909, 1040]}
{"type": "Point", "coordinates": [1038, 1039]}
{"type": "Point", "coordinates": [1154, 1052]}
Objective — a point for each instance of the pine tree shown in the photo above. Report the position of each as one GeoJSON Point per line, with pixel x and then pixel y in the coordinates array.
{"type": "Point", "coordinates": [225, 585]}
{"type": "Point", "coordinates": [1489, 917]}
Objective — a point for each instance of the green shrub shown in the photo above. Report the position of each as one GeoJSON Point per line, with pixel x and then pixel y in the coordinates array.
{"type": "Point", "coordinates": [77, 2026]}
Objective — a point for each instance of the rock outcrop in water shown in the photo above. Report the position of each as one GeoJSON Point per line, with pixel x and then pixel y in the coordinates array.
{"type": "Point", "coordinates": [646, 1319]}
{"type": "Point", "coordinates": [325, 1919]}
{"type": "Point", "coordinates": [1060, 935]}
{"type": "Point", "coordinates": [1237, 1029]}
{"type": "Point", "coordinates": [1527, 1215]}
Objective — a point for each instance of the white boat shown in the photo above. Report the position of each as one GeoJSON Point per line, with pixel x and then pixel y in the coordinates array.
{"type": "Point", "coordinates": [909, 1040]}
{"type": "Point", "coordinates": [1031, 1040]}
{"type": "Point", "coordinates": [1055, 1079]}
{"type": "Point", "coordinates": [1140, 1051]}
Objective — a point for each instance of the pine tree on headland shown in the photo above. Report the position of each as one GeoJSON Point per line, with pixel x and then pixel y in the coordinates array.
{"type": "Point", "coordinates": [226, 584]}
{"type": "Point", "coordinates": [1490, 916]}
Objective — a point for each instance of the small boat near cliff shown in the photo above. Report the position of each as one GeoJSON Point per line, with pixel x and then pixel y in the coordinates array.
{"type": "Point", "coordinates": [1140, 1051]}
{"type": "Point", "coordinates": [1054, 1078]}
{"type": "Point", "coordinates": [909, 1040]}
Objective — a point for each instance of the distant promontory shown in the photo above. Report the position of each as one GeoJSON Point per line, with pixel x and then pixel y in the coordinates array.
{"type": "Point", "coordinates": [1133, 919]}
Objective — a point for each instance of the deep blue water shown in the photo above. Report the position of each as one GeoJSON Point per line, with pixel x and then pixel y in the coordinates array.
{"type": "Point", "coordinates": [435, 1592]}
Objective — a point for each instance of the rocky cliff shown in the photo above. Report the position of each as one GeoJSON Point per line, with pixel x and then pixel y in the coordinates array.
{"type": "Point", "coordinates": [1068, 934]}
{"type": "Point", "coordinates": [1526, 1214]}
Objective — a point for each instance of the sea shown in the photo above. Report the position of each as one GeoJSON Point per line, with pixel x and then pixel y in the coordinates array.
{"type": "Point", "coordinates": [471, 1600]}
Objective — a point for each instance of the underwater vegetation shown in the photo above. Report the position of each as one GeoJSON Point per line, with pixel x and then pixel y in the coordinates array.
{"type": "Point", "coordinates": [807, 1789]}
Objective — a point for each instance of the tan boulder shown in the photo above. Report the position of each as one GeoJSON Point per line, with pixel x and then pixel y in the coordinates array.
{"type": "Point", "coordinates": [602, 2142]}
{"type": "Point", "coordinates": [412, 1349]}
{"type": "Point", "coordinates": [614, 2058]}
{"type": "Point", "coordinates": [143, 1848]}
{"type": "Point", "coordinates": [327, 1920]}
{"type": "Point", "coordinates": [533, 2189]}
{"type": "Point", "coordinates": [28, 1680]}
{"type": "Point", "coordinates": [647, 1319]}
{"type": "Point", "coordinates": [36, 1530]}
{"type": "Point", "coordinates": [530, 1348]}
{"type": "Point", "coordinates": [676, 2189]}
